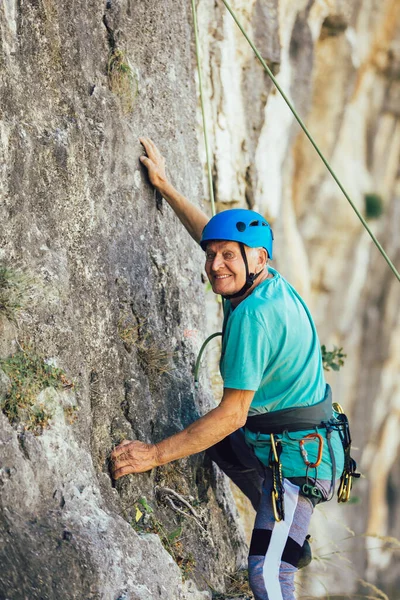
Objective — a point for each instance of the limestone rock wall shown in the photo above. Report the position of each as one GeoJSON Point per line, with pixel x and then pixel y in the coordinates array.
{"type": "Point", "coordinates": [339, 64]}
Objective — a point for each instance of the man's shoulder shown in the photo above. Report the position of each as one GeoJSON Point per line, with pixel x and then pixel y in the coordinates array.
{"type": "Point", "coordinates": [267, 297]}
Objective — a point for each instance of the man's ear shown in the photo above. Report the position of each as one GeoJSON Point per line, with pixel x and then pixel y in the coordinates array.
{"type": "Point", "coordinates": [262, 257]}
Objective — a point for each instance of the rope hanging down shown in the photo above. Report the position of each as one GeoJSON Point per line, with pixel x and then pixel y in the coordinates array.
{"type": "Point", "coordinates": [196, 36]}
{"type": "Point", "coordinates": [198, 360]}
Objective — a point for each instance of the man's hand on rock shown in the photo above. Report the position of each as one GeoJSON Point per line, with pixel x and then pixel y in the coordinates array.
{"type": "Point", "coordinates": [154, 162]}
{"type": "Point", "coordinates": [133, 457]}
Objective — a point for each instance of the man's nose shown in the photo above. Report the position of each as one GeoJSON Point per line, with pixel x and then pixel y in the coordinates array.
{"type": "Point", "coordinates": [217, 263]}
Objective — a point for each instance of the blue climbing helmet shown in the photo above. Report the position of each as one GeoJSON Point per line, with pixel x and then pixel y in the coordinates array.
{"type": "Point", "coordinates": [246, 227]}
{"type": "Point", "coordinates": [239, 225]}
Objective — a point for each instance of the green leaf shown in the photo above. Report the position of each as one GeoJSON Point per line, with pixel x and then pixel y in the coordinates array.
{"type": "Point", "coordinates": [144, 503]}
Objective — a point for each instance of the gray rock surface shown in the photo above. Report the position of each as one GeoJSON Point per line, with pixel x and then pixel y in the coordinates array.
{"type": "Point", "coordinates": [4, 385]}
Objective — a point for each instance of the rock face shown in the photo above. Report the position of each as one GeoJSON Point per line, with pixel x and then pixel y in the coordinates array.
{"type": "Point", "coordinates": [115, 296]}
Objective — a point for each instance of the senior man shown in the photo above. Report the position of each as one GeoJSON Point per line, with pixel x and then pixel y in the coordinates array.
{"type": "Point", "coordinates": [284, 460]}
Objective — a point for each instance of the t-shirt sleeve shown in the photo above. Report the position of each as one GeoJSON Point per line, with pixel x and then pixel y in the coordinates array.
{"type": "Point", "coordinates": [246, 354]}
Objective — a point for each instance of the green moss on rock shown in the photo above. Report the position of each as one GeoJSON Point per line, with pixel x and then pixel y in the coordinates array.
{"type": "Point", "coordinates": [29, 374]}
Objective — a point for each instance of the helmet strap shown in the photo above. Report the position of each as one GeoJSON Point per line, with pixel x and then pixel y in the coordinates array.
{"type": "Point", "coordinates": [250, 277]}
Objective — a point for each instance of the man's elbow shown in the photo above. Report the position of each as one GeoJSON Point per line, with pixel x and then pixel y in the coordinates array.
{"type": "Point", "coordinates": [242, 421]}
{"type": "Point", "coordinates": [235, 404]}
{"type": "Point", "coordinates": [239, 421]}
{"type": "Point", "coordinates": [231, 422]}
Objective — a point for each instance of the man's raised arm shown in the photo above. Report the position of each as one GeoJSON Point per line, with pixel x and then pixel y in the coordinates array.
{"type": "Point", "coordinates": [191, 217]}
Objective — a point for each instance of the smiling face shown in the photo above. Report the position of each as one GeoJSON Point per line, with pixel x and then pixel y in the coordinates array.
{"type": "Point", "coordinates": [225, 267]}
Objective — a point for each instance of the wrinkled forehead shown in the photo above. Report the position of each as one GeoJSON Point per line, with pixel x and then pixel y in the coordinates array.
{"type": "Point", "coordinates": [220, 245]}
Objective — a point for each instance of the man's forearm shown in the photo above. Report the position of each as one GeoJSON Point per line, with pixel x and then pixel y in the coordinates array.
{"type": "Point", "coordinates": [230, 415]}
{"type": "Point", "coordinates": [192, 217]}
{"type": "Point", "coordinates": [200, 435]}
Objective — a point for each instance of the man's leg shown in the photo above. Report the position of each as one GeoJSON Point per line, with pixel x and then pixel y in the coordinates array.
{"type": "Point", "coordinates": [276, 547]}
{"type": "Point", "coordinates": [238, 461]}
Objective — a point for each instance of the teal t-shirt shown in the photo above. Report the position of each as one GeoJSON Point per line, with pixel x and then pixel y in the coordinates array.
{"type": "Point", "coordinates": [270, 345]}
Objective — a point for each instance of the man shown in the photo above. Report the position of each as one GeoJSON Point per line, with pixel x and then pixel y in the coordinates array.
{"type": "Point", "coordinates": [271, 361]}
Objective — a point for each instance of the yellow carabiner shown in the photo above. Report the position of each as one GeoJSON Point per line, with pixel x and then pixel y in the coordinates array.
{"type": "Point", "coordinates": [337, 408]}
{"type": "Point", "coordinates": [344, 488]}
{"type": "Point", "coordinates": [274, 497]}
{"type": "Point", "coordinates": [349, 484]}
{"type": "Point", "coordinates": [340, 491]}
{"type": "Point", "coordinates": [273, 446]}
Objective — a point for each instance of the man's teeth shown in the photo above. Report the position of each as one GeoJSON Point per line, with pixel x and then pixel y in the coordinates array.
{"type": "Point", "coordinates": [221, 276]}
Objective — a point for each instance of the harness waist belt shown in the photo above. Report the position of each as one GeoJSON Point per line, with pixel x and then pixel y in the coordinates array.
{"type": "Point", "coordinates": [297, 418]}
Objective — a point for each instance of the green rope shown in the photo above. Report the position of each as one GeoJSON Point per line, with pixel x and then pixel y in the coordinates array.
{"type": "Point", "coordinates": [197, 366]}
{"type": "Point", "coordinates": [209, 171]}
{"type": "Point", "coordinates": [304, 128]}
{"type": "Point", "coordinates": [210, 180]}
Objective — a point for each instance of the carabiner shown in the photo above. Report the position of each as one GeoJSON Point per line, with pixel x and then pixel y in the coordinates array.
{"type": "Point", "coordinates": [308, 438]}
{"type": "Point", "coordinates": [278, 513]}
{"type": "Point", "coordinates": [273, 446]}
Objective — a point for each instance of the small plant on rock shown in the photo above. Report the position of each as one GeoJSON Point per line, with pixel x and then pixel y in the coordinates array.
{"type": "Point", "coordinates": [122, 80]}
{"type": "Point", "coordinates": [146, 522]}
{"type": "Point", "coordinates": [15, 289]}
{"type": "Point", "coordinates": [71, 414]}
{"type": "Point", "coordinates": [128, 331]}
{"type": "Point", "coordinates": [155, 360]}
{"type": "Point", "coordinates": [237, 587]}
{"type": "Point", "coordinates": [29, 374]}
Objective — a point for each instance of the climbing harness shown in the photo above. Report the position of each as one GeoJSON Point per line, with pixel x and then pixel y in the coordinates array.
{"type": "Point", "coordinates": [297, 419]}
{"type": "Point", "coordinates": [297, 117]}
{"type": "Point", "coordinates": [293, 419]}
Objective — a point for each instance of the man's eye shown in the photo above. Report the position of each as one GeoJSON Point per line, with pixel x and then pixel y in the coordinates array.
{"type": "Point", "coordinates": [228, 255]}
{"type": "Point", "coordinates": [209, 256]}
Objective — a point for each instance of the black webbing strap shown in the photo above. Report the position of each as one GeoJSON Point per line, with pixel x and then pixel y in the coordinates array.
{"type": "Point", "coordinates": [298, 418]}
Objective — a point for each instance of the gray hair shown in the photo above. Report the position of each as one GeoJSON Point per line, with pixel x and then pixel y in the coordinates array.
{"type": "Point", "coordinates": [261, 248]}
